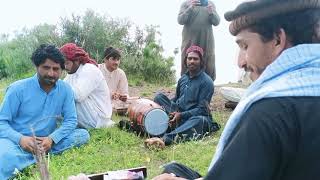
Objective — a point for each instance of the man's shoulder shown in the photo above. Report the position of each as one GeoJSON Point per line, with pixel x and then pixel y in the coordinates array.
{"type": "Point", "coordinates": [63, 86]}
{"type": "Point", "coordinates": [288, 100]}
{"type": "Point", "coordinates": [284, 106]}
{"type": "Point", "coordinates": [120, 71]}
{"type": "Point", "coordinates": [22, 83]}
{"type": "Point", "coordinates": [91, 69]}
{"type": "Point", "coordinates": [205, 79]}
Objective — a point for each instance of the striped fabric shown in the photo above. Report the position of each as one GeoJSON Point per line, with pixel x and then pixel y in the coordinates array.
{"type": "Point", "coordinates": [296, 72]}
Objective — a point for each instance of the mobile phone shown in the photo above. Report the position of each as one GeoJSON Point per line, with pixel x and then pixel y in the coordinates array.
{"type": "Point", "coordinates": [204, 2]}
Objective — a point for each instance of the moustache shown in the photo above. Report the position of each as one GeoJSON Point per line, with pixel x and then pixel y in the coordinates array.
{"type": "Point", "coordinates": [248, 69]}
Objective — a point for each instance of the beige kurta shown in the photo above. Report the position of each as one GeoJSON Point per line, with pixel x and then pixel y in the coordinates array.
{"type": "Point", "coordinates": [116, 80]}
{"type": "Point", "coordinates": [197, 30]}
{"type": "Point", "coordinates": [117, 83]}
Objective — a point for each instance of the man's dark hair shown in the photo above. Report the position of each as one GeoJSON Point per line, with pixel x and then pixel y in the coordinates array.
{"type": "Point", "coordinates": [301, 27]}
{"type": "Point", "coordinates": [44, 52]}
{"type": "Point", "coordinates": [112, 52]}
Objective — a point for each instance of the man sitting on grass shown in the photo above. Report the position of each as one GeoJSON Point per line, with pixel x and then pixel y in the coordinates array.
{"type": "Point", "coordinates": [273, 134]}
{"type": "Point", "coordinates": [115, 77]}
{"type": "Point", "coordinates": [189, 111]}
{"type": "Point", "coordinates": [91, 91]}
{"type": "Point", "coordinates": [30, 111]}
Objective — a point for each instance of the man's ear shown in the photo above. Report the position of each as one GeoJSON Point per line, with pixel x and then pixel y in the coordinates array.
{"type": "Point", "coordinates": [281, 42]}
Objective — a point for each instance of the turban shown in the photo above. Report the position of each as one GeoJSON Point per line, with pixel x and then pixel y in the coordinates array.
{"type": "Point", "coordinates": [72, 52]}
{"type": "Point", "coordinates": [195, 49]}
{"type": "Point", "coordinates": [253, 11]}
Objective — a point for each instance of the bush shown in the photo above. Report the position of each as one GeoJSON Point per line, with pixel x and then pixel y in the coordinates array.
{"type": "Point", "coordinates": [141, 53]}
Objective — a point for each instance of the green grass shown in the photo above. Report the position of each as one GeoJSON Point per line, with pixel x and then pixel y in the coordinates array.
{"type": "Point", "coordinates": [115, 149]}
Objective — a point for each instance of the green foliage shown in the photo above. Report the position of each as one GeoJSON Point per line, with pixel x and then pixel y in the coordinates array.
{"type": "Point", "coordinates": [113, 149]}
{"type": "Point", "coordinates": [141, 52]}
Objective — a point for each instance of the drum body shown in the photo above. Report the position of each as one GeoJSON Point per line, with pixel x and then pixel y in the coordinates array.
{"type": "Point", "coordinates": [148, 117]}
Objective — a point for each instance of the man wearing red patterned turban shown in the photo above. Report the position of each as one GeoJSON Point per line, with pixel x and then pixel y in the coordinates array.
{"type": "Point", "coordinates": [189, 111]}
{"type": "Point", "coordinates": [91, 91]}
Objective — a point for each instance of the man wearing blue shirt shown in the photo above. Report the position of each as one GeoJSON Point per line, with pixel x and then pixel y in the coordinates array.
{"type": "Point", "coordinates": [189, 110]}
{"type": "Point", "coordinates": [30, 111]}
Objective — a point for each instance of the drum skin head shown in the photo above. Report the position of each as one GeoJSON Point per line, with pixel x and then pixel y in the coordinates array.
{"type": "Point", "coordinates": [156, 122]}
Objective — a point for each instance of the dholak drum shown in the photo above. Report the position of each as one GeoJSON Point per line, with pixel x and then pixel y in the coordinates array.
{"type": "Point", "coordinates": [148, 117]}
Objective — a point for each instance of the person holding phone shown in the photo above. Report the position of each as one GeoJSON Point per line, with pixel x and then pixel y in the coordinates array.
{"type": "Point", "coordinates": [197, 17]}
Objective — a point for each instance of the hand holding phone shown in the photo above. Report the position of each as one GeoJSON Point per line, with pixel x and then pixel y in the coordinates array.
{"type": "Point", "coordinates": [194, 3]}
{"type": "Point", "coordinates": [204, 2]}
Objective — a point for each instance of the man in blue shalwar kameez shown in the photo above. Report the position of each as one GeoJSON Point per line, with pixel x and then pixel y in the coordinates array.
{"type": "Point", "coordinates": [30, 111]}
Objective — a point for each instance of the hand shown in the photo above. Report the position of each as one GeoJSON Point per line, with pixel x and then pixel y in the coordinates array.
{"type": "Point", "coordinates": [28, 143]}
{"type": "Point", "coordinates": [176, 116]}
{"type": "Point", "coordinates": [123, 97]}
{"type": "Point", "coordinates": [45, 143]}
{"type": "Point", "coordinates": [211, 8]}
{"type": "Point", "coordinates": [167, 176]}
{"type": "Point", "coordinates": [115, 96]}
{"type": "Point", "coordinates": [193, 3]}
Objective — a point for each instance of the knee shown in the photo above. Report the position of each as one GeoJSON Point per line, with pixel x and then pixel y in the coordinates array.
{"type": "Point", "coordinates": [171, 167]}
{"type": "Point", "coordinates": [159, 97]}
{"type": "Point", "coordinates": [83, 136]}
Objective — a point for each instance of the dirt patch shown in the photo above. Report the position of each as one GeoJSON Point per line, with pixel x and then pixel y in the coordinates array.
{"type": "Point", "coordinates": [217, 103]}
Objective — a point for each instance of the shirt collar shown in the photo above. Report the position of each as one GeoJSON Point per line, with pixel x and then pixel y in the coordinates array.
{"type": "Point", "coordinates": [198, 74]}
{"type": "Point", "coordinates": [36, 80]}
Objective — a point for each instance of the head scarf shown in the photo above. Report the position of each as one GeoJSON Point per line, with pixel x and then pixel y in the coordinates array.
{"type": "Point", "coordinates": [72, 52]}
{"type": "Point", "coordinates": [195, 49]}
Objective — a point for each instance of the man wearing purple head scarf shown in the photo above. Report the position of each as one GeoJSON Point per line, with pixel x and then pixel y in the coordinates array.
{"type": "Point", "coordinates": [189, 111]}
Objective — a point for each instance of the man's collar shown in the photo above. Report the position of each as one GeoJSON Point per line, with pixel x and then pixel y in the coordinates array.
{"type": "Point", "coordinates": [188, 74]}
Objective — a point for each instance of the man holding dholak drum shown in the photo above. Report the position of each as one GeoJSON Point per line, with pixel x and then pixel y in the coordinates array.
{"type": "Point", "coordinates": [189, 111]}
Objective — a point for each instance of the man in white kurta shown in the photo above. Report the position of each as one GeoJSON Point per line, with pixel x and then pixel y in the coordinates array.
{"type": "Point", "coordinates": [92, 96]}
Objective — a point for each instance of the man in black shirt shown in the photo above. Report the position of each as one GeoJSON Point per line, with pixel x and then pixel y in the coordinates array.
{"type": "Point", "coordinates": [273, 134]}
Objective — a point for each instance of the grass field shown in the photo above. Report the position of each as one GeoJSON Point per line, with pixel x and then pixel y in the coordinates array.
{"type": "Point", "coordinates": [114, 149]}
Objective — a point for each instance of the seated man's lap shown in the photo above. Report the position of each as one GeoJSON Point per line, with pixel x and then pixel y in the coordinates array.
{"type": "Point", "coordinates": [77, 138]}
{"type": "Point", "coordinates": [166, 103]}
{"type": "Point", "coordinates": [12, 157]}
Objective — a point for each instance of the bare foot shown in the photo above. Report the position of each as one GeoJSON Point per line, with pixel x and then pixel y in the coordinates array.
{"type": "Point", "coordinates": [154, 143]}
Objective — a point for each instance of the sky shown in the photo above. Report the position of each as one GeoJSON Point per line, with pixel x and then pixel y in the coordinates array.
{"type": "Point", "coordinates": [17, 14]}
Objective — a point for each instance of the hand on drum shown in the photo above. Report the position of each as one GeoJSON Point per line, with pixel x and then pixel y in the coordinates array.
{"type": "Point", "coordinates": [121, 97]}
{"type": "Point", "coordinates": [174, 118]}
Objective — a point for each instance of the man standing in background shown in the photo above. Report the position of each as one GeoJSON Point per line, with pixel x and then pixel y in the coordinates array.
{"type": "Point", "coordinates": [198, 18]}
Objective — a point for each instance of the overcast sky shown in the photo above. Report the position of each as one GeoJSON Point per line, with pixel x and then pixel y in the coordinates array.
{"type": "Point", "coordinates": [16, 14]}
